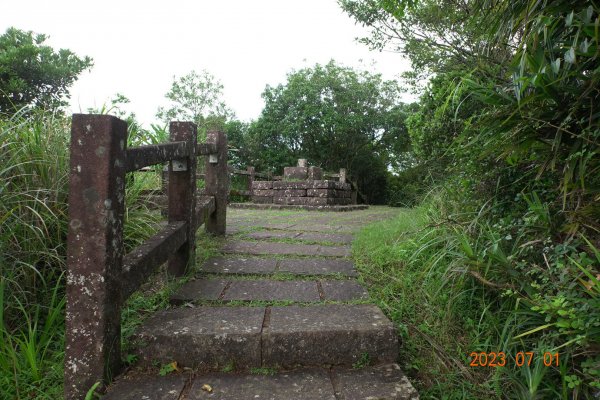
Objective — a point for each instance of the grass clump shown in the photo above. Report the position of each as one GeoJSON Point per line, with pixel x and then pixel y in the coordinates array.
{"type": "Point", "coordinates": [455, 284]}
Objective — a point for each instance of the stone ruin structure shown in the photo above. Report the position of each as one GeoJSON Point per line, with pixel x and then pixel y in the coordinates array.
{"type": "Point", "coordinates": [304, 186]}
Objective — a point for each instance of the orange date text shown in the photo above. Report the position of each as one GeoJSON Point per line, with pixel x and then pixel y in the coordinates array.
{"type": "Point", "coordinates": [501, 359]}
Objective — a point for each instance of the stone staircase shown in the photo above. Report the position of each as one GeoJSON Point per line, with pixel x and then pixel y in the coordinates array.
{"type": "Point", "coordinates": [271, 320]}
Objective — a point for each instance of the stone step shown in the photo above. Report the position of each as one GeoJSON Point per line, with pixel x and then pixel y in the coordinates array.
{"type": "Point", "coordinates": [384, 382]}
{"type": "Point", "coordinates": [267, 266]}
{"type": "Point", "coordinates": [213, 337]}
{"type": "Point", "coordinates": [303, 236]}
{"type": "Point", "coordinates": [269, 290]}
{"type": "Point", "coordinates": [275, 248]}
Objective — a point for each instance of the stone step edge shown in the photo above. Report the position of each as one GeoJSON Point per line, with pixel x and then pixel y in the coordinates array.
{"type": "Point", "coordinates": [274, 265]}
{"type": "Point", "coordinates": [386, 382]}
{"type": "Point", "coordinates": [278, 336]}
{"type": "Point", "coordinates": [224, 289]}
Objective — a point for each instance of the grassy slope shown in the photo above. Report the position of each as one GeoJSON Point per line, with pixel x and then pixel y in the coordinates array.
{"type": "Point", "coordinates": [400, 262]}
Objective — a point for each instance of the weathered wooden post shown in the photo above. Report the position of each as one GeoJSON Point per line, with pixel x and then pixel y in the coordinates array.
{"type": "Point", "coordinates": [217, 182]}
{"type": "Point", "coordinates": [251, 175]}
{"type": "Point", "coordinates": [182, 194]}
{"type": "Point", "coordinates": [94, 252]}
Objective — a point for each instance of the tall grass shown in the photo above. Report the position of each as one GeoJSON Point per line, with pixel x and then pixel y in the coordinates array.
{"type": "Point", "coordinates": [34, 155]}
{"type": "Point", "coordinates": [455, 284]}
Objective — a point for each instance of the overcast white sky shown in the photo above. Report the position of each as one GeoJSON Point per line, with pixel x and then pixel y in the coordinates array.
{"type": "Point", "coordinates": [138, 46]}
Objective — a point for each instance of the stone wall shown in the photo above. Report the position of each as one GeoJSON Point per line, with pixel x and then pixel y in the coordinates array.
{"type": "Point", "coordinates": [304, 186]}
{"type": "Point", "coordinates": [313, 193]}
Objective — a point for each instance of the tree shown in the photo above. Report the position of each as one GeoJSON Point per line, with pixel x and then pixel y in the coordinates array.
{"type": "Point", "coordinates": [196, 97]}
{"type": "Point", "coordinates": [34, 74]}
{"type": "Point", "coordinates": [335, 117]}
{"type": "Point", "coordinates": [437, 36]}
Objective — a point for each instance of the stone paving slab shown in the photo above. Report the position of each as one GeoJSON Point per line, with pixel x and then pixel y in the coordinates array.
{"type": "Point", "coordinates": [327, 334]}
{"type": "Point", "coordinates": [147, 387]}
{"type": "Point", "coordinates": [302, 291]}
{"type": "Point", "coordinates": [277, 248]}
{"type": "Point", "coordinates": [334, 251]}
{"type": "Point", "coordinates": [266, 248]}
{"type": "Point", "coordinates": [304, 384]}
{"type": "Point", "coordinates": [273, 235]}
{"type": "Point", "coordinates": [240, 265]}
{"type": "Point", "coordinates": [307, 236]}
{"type": "Point", "coordinates": [199, 289]}
{"type": "Point", "coordinates": [268, 290]}
{"type": "Point", "coordinates": [343, 291]}
{"type": "Point", "coordinates": [383, 382]}
{"type": "Point", "coordinates": [325, 237]}
{"type": "Point", "coordinates": [380, 382]}
{"type": "Point", "coordinates": [205, 337]}
{"type": "Point", "coordinates": [317, 266]}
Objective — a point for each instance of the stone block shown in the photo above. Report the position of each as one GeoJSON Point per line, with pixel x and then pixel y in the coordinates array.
{"type": "Point", "coordinates": [203, 337]}
{"type": "Point", "coordinates": [313, 384]}
{"type": "Point", "coordinates": [148, 387]}
{"type": "Point", "coordinates": [290, 193]}
{"type": "Point", "coordinates": [328, 334]}
{"type": "Point", "coordinates": [315, 174]}
{"type": "Point", "coordinates": [292, 173]}
{"type": "Point", "coordinates": [262, 199]}
{"type": "Point", "coordinates": [292, 185]}
{"type": "Point", "coordinates": [263, 192]}
{"type": "Point", "coordinates": [199, 289]}
{"type": "Point", "coordinates": [304, 201]}
{"type": "Point", "coordinates": [343, 290]}
{"type": "Point", "coordinates": [323, 184]}
{"type": "Point", "coordinates": [321, 193]}
{"type": "Point", "coordinates": [317, 266]}
{"type": "Point", "coordinates": [262, 185]}
{"type": "Point", "coordinates": [266, 290]}
{"type": "Point", "coordinates": [240, 265]}
{"type": "Point", "coordinates": [269, 248]}
{"type": "Point", "coordinates": [379, 382]}
{"type": "Point", "coordinates": [328, 193]}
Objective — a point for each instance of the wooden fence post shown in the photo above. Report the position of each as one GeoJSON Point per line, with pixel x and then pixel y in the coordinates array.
{"type": "Point", "coordinates": [217, 182]}
{"type": "Point", "coordinates": [182, 195]}
{"type": "Point", "coordinates": [94, 252]}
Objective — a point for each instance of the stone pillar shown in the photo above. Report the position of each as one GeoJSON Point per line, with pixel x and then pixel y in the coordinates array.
{"type": "Point", "coordinates": [251, 175]}
{"type": "Point", "coordinates": [302, 163]}
{"type": "Point", "coordinates": [94, 252]}
{"type": "Point", "coordinates": [217, 183]}
{"type": "Point", "coordinates": [182, 195]}
{"type": "Point", "coordinates": [343, 176]}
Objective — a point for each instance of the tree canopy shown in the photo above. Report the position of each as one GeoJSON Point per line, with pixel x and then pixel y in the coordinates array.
{"type": "Point", "coordinates": [33, 73]}
{"type": "Point", "coordinates": [335, 117]}
{"type": "Point", "coordinates": [197, 97]}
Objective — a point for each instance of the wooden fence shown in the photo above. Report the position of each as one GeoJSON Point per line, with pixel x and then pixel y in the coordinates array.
{"type": "Point", "coordinates": [100, 277]}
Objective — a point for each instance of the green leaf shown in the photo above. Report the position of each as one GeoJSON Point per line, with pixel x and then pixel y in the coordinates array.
{"type": "Point", "coordinates": [570, 56]}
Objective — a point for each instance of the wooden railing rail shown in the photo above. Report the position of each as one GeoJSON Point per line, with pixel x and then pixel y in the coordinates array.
{"type": "Point", "coordinates": [100, 277]}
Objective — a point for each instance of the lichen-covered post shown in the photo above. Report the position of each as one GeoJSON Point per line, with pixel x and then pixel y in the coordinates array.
{"type": "Point", "coordinates": [182, 195]}
{"type": "Point", "coordinates": [217, 182]}
{"type": "Point", "coordinates": [94, 252]}
{"type": "Point", "coordinates": [251, 175]}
